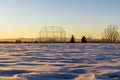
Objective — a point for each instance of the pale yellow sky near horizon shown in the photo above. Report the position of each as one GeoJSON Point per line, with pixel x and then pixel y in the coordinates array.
{"type": "Point", "coordinates": [36, 35]}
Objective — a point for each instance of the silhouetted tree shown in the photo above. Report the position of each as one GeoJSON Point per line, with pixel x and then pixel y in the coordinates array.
{"type": "Point", "coordinates": [111, 33]}
{"type": "Point", "coordinates": [83, 39]}
{"type": "Point", "coordinates": [18, 41]}
{"type": "Point", "coordinates": [72, 39]}
{"type": "Point", "coordinates": [36, 42]}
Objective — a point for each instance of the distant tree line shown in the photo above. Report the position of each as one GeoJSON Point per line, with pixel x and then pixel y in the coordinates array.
{"type": "Point", "coordinates": [110, 34]}
{"type": "Point", "coordinates": [83, 40]}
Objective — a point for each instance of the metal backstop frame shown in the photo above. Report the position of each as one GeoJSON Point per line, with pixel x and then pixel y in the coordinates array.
{"type": "Point", "coordinates": [52, 34]}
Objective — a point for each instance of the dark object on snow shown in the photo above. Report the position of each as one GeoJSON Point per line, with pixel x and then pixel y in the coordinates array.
{"type": "Point", "coordinates": [72, 39]}
{"type": "Point", "coordinates": [83, 39]}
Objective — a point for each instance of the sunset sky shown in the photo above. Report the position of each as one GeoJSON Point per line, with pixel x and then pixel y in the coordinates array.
{"type": "Point", "coordinates": [25, 18]}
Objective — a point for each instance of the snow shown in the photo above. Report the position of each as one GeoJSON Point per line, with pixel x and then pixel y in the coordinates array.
{"type": "Point", "coordinates": [60, 61]}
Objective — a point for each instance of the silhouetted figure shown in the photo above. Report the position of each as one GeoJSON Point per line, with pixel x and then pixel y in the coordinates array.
{"type": "Point", "coordinates": [72, 39]}
{"type": "Point", "coordinates": [83, 39]}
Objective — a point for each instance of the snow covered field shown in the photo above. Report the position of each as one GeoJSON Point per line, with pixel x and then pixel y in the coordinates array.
{"type": "Point", "coordinates": [60, 61]}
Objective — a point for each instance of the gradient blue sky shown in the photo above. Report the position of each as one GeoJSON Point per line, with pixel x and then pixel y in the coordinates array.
{"type": "Point", "coordinates": [25, 18]}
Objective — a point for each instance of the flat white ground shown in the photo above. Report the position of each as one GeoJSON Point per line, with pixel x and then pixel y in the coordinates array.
{"type": "Point", "coordinates": [60, 61]}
